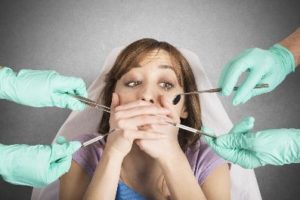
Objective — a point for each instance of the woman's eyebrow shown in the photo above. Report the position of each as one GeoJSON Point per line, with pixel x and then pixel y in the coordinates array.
{"type": "Point", "coordinates": [162, 67]}
{"type": "Point", "coordinates": [166, 67]}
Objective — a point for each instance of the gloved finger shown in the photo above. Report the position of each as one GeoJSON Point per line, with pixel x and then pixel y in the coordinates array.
{"type": "Point", "coordinates": [258, 91]}
{"type": "Point", "coordinates": [66, 101]}
{"type": "Point", "coordinates": [235, 137]}
{"type": "Point", "coordinates": [242, 157]}
{"type": "Point", "coordinates": [246, 88]}
{"type": "Point", "coordinates": [73, 147]}
{"type": "Point", "coordinates": [59, 151]}
{"type": "Point", "coordinates": [80, 88]}
{"type": "Point", "coordinates": [232, 75]}
{"type": "Point", "coordinates": [57, 169]}
{"type": "Point", "coordinates": [222, 77]}
{"type": "Point", "coordinates": [207, 130]}
{"type": "Point", "coordinates": [72, 85]}
{"type": "Point", "coordinates": [226, 76]}
{"type": "Point", "coordinates": [210, 141]}
{"type": "Point", "coordinates": [252, 94]}
{"type": "Point", "coordinates": [74, 144]}
{"type": "Point", "coordinates": [246, 159]}
{"type": "Point", "coordinates": [228, 81]}
{"type": "Point", "coordinates": [226, 153]}
{"type": "Point", "coordinates": [246, 98]}
{"type": "Point", "coordinates": [241, 141]}
{"type": "Point", "coordinates": [243, 126]}
{"type": "Point", "coordinates": [61, 140]}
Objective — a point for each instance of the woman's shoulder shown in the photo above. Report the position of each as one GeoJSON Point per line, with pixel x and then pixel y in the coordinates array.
{"type": "Point", "coordinates": [89, 156]}
{"type": "Point", "coordinates": [202, 159]}
{"type": "Point", "coordinates": [200, 147]}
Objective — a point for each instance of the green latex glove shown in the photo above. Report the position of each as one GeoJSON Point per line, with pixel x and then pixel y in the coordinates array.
{"type": "Point", "coordinates": [251, 150]}
{"type": "Point", "coordinates": [41, 88]}
{"type": "Point", "coordinates": [37, 165]}
{"type": "Point", "coordinates": [264, 66]}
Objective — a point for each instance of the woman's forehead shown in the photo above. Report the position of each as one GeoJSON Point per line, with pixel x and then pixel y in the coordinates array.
{"type": "Point", "coordinates": [159, 58]}
{"type": "Point", "coordinates": [156, 56]}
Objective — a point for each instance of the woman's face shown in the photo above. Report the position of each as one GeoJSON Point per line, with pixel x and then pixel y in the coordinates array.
{"type": "Point", "coordinates": [154, 77]}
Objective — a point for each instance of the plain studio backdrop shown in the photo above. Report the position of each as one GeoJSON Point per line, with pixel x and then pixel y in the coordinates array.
{"type": "Point", "coordinates": [74, 37]}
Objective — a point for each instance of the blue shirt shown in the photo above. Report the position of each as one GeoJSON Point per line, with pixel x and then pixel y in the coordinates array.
{"type": "Point", "coordinates": [126, 193]}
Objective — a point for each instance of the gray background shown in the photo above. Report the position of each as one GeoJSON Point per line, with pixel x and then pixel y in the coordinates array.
{"type": "Point", "coordinates": [74, 37]}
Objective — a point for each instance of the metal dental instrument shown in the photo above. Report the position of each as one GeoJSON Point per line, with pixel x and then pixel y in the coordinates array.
{"type": "Point", "coordinates": [95, 139]}
{"type": "Point", "coordinates": [196, 131]}
{"type": "Point", "coordinates": [178, 96]}
{"type": "Point", "coordinates": [107, 109]}
{"type": "Point", "coordinates": [100, 137]}
{"type": "Point", "coordinates": [91, 103]}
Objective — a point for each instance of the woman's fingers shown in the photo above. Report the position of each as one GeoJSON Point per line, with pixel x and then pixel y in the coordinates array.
{"type": "Point", "coordinates": [140, 110]}
{"type": "Point", "coordinates": [138, 134]}
{"type": "Point", "coordinates": [134, 122]}
{"type": "Point", "coordinates": [166, 104]}
{"type": "Point", "coordinates": [164, 128]}
{"type": "Point", "coordinates": [133, 105]}
{"type": "Point", "coordinates": [138, 113]}
{"type": "Point", "coordinates": [114, 101]}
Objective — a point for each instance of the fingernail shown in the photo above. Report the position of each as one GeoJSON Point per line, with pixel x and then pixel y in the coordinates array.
{"type": "Point", "coordinates": [225, 92]}
{"type": "Point", "coordinates": [80, 107]}
{"type": "Point", "coordinates": [251, 120]}
{"type": "Point", "coordinates": [60, 139]}
{"type": "Point", "coordinates": [236, 102]}
{"type": "Point", "coordinates": [76, 145]}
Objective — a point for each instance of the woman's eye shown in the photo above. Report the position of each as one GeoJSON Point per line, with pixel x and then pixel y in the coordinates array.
{"type": "Point", "coordinates": [132, 83]}
{"type": "Point", "coordinates": [166, 85]}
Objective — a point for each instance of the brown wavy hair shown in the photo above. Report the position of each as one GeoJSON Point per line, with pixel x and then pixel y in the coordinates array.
{"type": "Point", "coordinates": [132, 55]}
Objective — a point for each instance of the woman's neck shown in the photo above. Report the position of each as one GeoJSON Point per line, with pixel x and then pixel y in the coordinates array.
{"type": "Point", "coordinates": [143, 173]}
{"type": "Point", "coordinates": [139, 168]}
{"type": "Point", "coordinates": [139, 160]}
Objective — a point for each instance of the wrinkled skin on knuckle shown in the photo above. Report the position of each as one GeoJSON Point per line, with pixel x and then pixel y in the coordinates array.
{"type": "Point", "coordinates": [117, 115]}
{"type": "Point", "coordinates": [128, 135]}
{"type": "Point", "coordinates": [120, 123]}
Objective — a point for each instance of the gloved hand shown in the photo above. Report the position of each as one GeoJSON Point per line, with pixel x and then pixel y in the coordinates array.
{"type": "Point", "coordinates": [41, 88]}
{"type": "Point", "coordinates": [37, 165]}
{"type": "Point", "coordinates": [251, 150]}
{"type": "Point", "coordinates": [264, 66]}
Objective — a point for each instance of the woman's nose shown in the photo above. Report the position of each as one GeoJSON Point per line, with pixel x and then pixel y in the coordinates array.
{"type": "Point", "coordinates": [150, 100]}
{"type": "Point", "coordinates": [148, 94]}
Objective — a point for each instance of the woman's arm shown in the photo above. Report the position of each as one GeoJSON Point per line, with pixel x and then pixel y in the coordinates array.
{"type": "Point", "coordinates": [74, 183]}
{"type": "Point", "coordinates": [183, 185]}
{"type": "Point", "coordinates": [175, 166]}
{"type": "Point", "coordinates": [106, 177]}
{"type": "Point", "coordinates": [217, 185]}
{"type": "Point", "coordinates": [180, 178]}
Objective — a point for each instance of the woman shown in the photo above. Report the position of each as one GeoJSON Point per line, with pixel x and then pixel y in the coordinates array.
{"type": "Point", "coordinates": [145, 157]}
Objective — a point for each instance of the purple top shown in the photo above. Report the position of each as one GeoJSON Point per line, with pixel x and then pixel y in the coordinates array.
{"type": "Point", "coordinates": [201, 158]}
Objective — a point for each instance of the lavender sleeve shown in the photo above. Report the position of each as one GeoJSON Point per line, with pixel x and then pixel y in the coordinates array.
{"type": "Point", "coordinates": [203, 160]}
{"type": "Point", "coordinates": [88, 157]}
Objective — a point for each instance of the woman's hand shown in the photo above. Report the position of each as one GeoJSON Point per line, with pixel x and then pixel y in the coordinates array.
{"type": "Point", "coordinates": [162, 148]}
{"type": "Point", "coordinates": [126, 119]}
